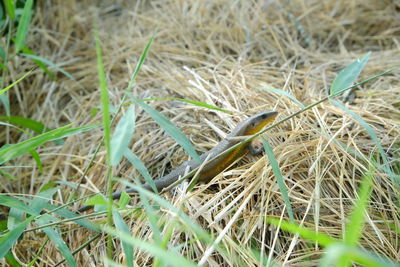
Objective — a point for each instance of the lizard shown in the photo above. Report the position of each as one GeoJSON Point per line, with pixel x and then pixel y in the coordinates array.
{"type": "Point", "coordinates": [217, 160]}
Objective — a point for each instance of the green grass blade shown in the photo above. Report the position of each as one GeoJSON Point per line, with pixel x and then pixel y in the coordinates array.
{"type": "Point", "coordinates": [2, 56]}
{"type": "Point", "coordinates": [23, 26]}
{"type": "Point", "coordinates": [336, 251]}
{"type": "Point", "coordinates": [322, 239]}
{"type": "Point", "coordinates": [355, 224]}
{"type": "Point", "coordinates": [50, 64]}
{"type": "Point", "coordinates": [140, 63]}
{"type": "Point", "coordinates": [140, 167]}
{"type": "Point", "coordinates": [196, 103]}
{"type": "Point", "coordinates": [57, 240]}
{"type": "Point", "coordinates": [368, 128]}
{"type": "Point", "coordinates": [11, 202]}
{"type": "Point", "coordinates": [10, 8]}
{"type": "Point", "coordinates": [2, 91]}
{"type": "Point", "coordinates": [277, 172]}
{"type": "Point", "coordinates": [35, 126]}
{"type": "Point", "coordinates": [284, 93]}
{"type": "Point", "coordinates": [169, 127]}
{"type": "Point", "coordinates": [36, 157]}
{"type": "Point", "coordinates": [105, 101]}
{"type": "Point", "coordinates": [122, 136]}
{"type": "Point", "coordinates": [40, 63]}
{"type": "Point", "coordinates": [105, 105]}
{"type": "Point", "coordinates": [166, 256]}
{"type": "Point", "coordinates": [13, 126]}
{"type": "Point", "coordinates": [16, 150]}
{"type": "Point", "coordinates": [36, 206]}
{"type": "Point", "coordinates": [202, 234]}
{"type": "Point", "coordinates": [392, 175]}
{"type": "Point", "coordinates": [6, 103]}
{"type": "Point", "coordinates": [153, 218]}
{"type": "Point", "coordinates": [123, 228]}
{"type": "Point", "coordinates": [9, 239]}
{"type": "Point", "coordinates": [348, 75]}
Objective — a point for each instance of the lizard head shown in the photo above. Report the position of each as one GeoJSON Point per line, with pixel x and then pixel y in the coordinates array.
{"type": "Point", "coordinates": [257, 122]}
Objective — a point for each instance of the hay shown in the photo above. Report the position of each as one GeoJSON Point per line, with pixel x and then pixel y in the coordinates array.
{"type": "Point", "coordinates": [220, 52]}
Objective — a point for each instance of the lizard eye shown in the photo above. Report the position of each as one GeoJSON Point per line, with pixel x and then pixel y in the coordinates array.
{"type": "Point", "coordinates": [264, 116]}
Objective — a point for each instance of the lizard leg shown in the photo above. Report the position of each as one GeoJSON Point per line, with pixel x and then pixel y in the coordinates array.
{"type": "Point", "coordinates": [256, 147]}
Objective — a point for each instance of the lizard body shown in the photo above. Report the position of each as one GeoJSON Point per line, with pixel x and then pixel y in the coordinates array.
{"type": "Point", "coordinates": [216, 163]}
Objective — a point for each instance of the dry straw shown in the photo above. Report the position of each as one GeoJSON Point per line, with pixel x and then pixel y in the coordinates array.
{"type": "Point", "coordinates": [220, 53]}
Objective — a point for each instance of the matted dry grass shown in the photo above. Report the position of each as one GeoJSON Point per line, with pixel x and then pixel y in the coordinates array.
{"type": "Point", "coordinates": [220, 52]}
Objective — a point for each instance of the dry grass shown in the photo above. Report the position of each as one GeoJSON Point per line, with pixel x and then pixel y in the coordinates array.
{"type": "Point", "coordinates": [219, 52]}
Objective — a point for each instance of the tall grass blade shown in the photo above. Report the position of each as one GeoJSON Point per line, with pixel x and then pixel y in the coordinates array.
{"type": "Point", "coordinates": [123, 228]}
{"type": "Point", "coordinates": [9, 239]}
{"type": "Point", "coordinates": [23, 26]}
{"type": "Point", "coordinates": [2, 91]}
{"type": "Point", "coordinates": [122, 136]}
{"type": "Point", "coordinates": [16, 150]}
{"type": "Point", "coordinates": [322, 239]}
{"type": "Point", "coordinates": [279, 177]}
{"type": "Point", "coordinates": [169, 127]}
{"type": "Point", "coordinates": [140, 167]}
{"type": "Point", "coordinates": [10, 8]}
{"type": "Point", "coordinates": [369, 129]}
{"type": "Point", "coordinates": [348, 75]}
{"type": "Point", "coordinates": [284, 93]}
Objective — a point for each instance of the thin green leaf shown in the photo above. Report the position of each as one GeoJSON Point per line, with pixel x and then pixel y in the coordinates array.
{"type": "Point", "coordinates": [2, 55]}
{"type": "Point", "coordinates": [348, 75]}
{"type": "Point", "coordinates": [96, 200]}
{"type": "Point", "coordinates": [124, 200]}
{"type": "Point", "coordinates": [281, 92]}
{"type": "Point", "coordinates": [8, 240]}
{"type": "Point", "coordinates": [57, 240]}
{"type": "Point", "coordinates": [41, 65]}
{"type": "Point", "coordinates": [197, 103]}
{"type": "Point", "coordinates": [6, 103]}
{"type": "Point", "coordinates": [140, 63]}
{"type": "Point", "coordinates": [2, 91]}
{"type": "Point", "coordinates": [355, 224]}
{"type": "Point", "coordinates": [368, 128]}
{"type": "Point", "coordinates": [10, 8]}
{"type": "Point", "coordinates": [336, 251]}
{"type": "Point", "coordinates": [202, 234]}
{"type": "Point", "coordinates": [154, 249]}
{"type": "Point", "coordinates": [13, 126]}
{"type": "Point", "coordinates": [393, 176]}
{"type": "Point", "coordinates": [279, 178]}
{"type": "Point", "coordinates": [11, 202]}
{"type": "Point", "coordinates": [23, 26]}
{"type": "Point", "coordinates": [36, 157]}
{"type": "Point", "coordinates": [49, 63]}
{"type": "Point", "coordinates": [105, 101]}
{"type": "Point", "coordinates": [169, 127]}
{"type": "Point", "coordinates": [35, 126]}
{"type": "Point", "coordinates": [16, 150]}
{"type": "Point", "coordinates": [153, 218]}
{"type": "Point", "coordinates": [105, 105]}
{"type": "Point", "coordinates": [322, 239]}
{"type": "Point", "coordinates": [123, 228]}
{"type": "Point", "coordinates": [37, 205]}
{"type": "Point", "coordinates": [140, 167]}
{"type": "Point", "coordinates": [122, 136]}
{"type": "Point", "coordinates": [69, 215]}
